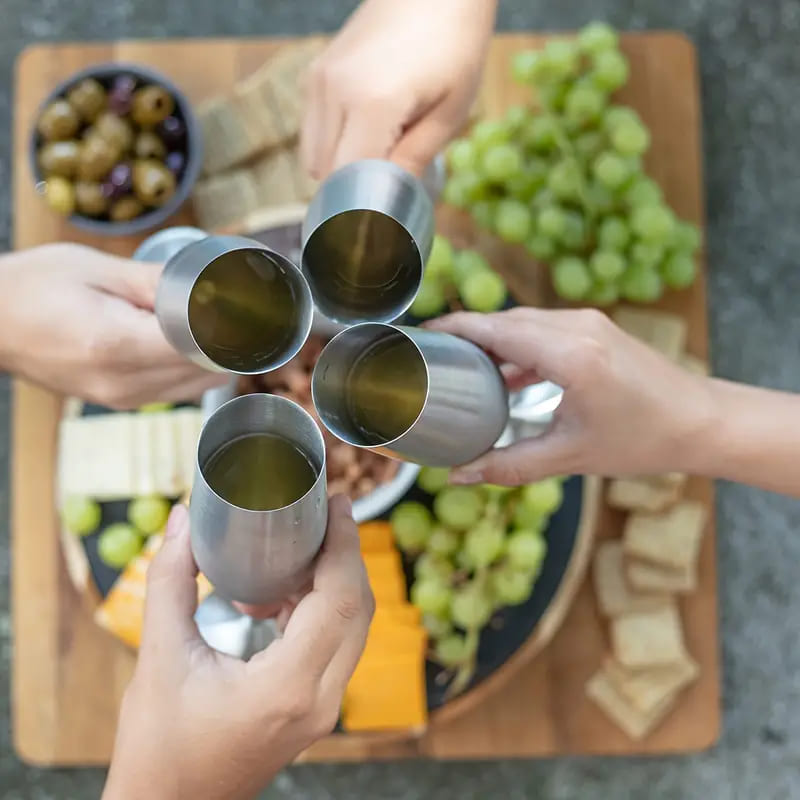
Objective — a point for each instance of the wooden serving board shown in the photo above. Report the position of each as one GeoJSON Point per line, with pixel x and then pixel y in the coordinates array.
{"type": "Point", "coordinates": [68, 675]}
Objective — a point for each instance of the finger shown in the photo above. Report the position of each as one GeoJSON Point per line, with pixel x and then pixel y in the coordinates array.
{"type": "Point", "coordinates": [134, 281]}
{"type": "Point", "coordinates": [552, 453]}
{"type": "Point", "coordinates": [258, 612]}
{"type": "Point", "coordinates": [517, 378]}
{"type": "Point", "coordinates": [422, 141]}
{"type": "Point", "coordinates": [321, 128]}
{"type": "Point", "coordinates": [171, 599]}
{"type": "Point", "coordinates": [367, 133]}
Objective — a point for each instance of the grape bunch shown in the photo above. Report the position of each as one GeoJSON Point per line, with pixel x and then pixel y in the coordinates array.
{"type": "Point", "coordinates": [480, 550]}
{"type": "Point", "coordinates": [564, 178]}
{"type": "Point", "coordinates": [463, 275]}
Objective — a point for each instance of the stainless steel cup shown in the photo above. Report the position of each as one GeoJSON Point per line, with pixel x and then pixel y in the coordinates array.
{"type": "Point", "coordinates": [234, 344]}
{"type": "Point", "coordinates": [258, 557]}
{"type": "Point", "coordinates": [366, 237]}
{"type": "Point", "coordinates": [166, 243]}
{"type": "Point", "coordinates": [465, 408]}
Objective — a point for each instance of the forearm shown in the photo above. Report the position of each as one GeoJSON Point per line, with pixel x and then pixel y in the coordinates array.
{"type": "Point", "coordinates": [9, 264]}
{"type": "Point", "coordinates": [755, 438]}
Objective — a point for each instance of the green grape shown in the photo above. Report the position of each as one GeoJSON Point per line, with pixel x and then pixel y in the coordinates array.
{"type": "Point", "coordinates": [643, 191]}
{"type": "Point", "coordinates": [552, 222]}
{"type": "Point", "coordinates": [553, 96]}
{"type": "Point", "coordinates": [437, 627]}
{"type": "Point", "coordinates": [148, 514]}
{"type": "Point", "coordinates": [600, 198]}
{"type": "Point", "coordinates": [440, 261]}
{"type": "Point", "coordinates": [430, 300]}
{"type": "Point", "coordinates": [613, 234]}
{"type": "Point", "coordinates": [483, 291]}
{"type": "Point", "coordinates": [484, 543]}
{"type": "Point", "coordinates": [155, 408]}
{"type": "Point", "coordinates": [500, 162]}
{"type": "Point", "coordinates": [603, 294]}
{"type": "Point", "coordinates": [462, 155]}
{"type": "Point", "coordinates": [412, 523]}
{"type": "Point", "coordinates": [611, 170]}
{"type": "Point", "coordinates": [589, 145]}
{"type": "Point", "coordinates": [529, 518]}
{"type": "Point", "coordinates": [607, 265]}
{"type": "Point", "coordinates": [571, 278]}
{"type": "Point", "coordinates": [512, 221]}
{"type": "Point", "coordinates": [565, 179]}
{"type": "Point", "coordinates": [524, 185]}
{"type": "Point", "coordinates": [541, 247]}
{"type": "Point", "coordinates": [489, 132]}
{"type": "Point", "coordinates": [459, 507]}
{"type": "Point", "coordinates": [679, 270]}
{"type": "Point", "coordinates": [433, 479]}
{"type": "Point", "coordinates": [443, 542]}
{"type": "Point", "coordinates": [630, 138]}
{"type": "Point", "coordinates": [470, 606]}
{"type": "Point", "coordinates": [483, 212]}
{"type": "Point", "coordinates": [544, 198]}
{"type": "Point", "coordinates": [431, 596]}
{"type": "Point", "coordinates": [493, 490]}
{"type": "Point", "coordinates": [119, 544]}
{"type": "Point", "coordinates": [686, 237]}
{"type": "Point", "coordinates": [467, 262]}
{"type": "Point", "coordinates": [526, 550]}
{"type": "Point", "coordinates": [542, 133]}
{"type": "Point", "coordinates": [653, 223]}
{"type": "Point", "coordinates": [610, 70]}
{"type": "Point", "coordinates": [583, 103]}
{"type": "Point", "coordinates": [452, 651]}
{"type": "Point", "coordinates": [511, 587]}
{"type": "Point", "coordinates": [641, 284]}
{"type": "Point", "coordinates": [543, 496]}
{"type": "Point", "coordinates": [456, 192]}
{"type": "Point", "coordinates": [516, 117]}
{"type": "Point", "coordinates": [81, 515]}
{"type": "Point", "coordinates": [646, 255]}
{"type": "Point", "coordinates": [619, 115]}
{"type": "Point", "coordinates": [525, 66]}
{"type": "Point", "coordinates": [560, 59]}
{"type": "Point", "coordinates": [597, 37]}
{"type": "Point", "coordinates": [429, 565]}
{"type": "Point", "coordinates": [574, 235]}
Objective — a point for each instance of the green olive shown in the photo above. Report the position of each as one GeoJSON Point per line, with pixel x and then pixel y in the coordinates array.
{"type": "Point", "coordinates": [89, 198]}
{"type": "Point", "coordinates": [60, 195]}
{"type": "Point", "coordinates": [60, 158]}
{"type": "Point", "coordinates": [88, 98]}
{"type": "Point", "coordinates": [153, 183]}
{"type": "Point", "coordinates": [97, 157]}
{"type": "Point", "coordinates": [148, 145]}
{"type": "Point", "coordinates": [58, 121]}
{"type": "Point", "coordinates": [151, 104]}
{"type": "Point", "coordinates": [125, 209]}
{"type": "Point", "coordinates": [115, 130]}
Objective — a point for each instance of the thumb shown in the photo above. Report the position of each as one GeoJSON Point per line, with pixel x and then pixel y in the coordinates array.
{"type": "Point", "coordinates": [134, 281]}
{"type": "Point", "coordinates": [423, 140]}
{"type": "Point", "coordinates": [171, 588]}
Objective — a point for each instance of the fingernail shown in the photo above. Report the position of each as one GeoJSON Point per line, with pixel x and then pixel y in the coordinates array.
{"type": "Point", "coordinates": [465, 477]}
{"type": "Point", "coordinates": [178, 521]}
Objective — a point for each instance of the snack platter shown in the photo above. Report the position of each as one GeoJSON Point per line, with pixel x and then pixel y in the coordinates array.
{"type": "Point", "coordinates": [69, 674]}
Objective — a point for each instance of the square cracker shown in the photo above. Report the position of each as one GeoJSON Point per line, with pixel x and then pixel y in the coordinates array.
{"type": "Point", "coordinates": [614, 596]}
{"type": "Point", "coordinates": [224, 199]}
{"type": "Point", "coordinates": [648, 638]}
{"type": "Point", "coordinates": [646, 577]}
{"type": "Point", "coordinates": [637, 494]}
{"type": "Point", "coordinates": [646, 689]}
{"type": "Point", "coordinates": [694, 364]}
{"type": "Point", "coordinates": [276, 179]}
{"type": "Point", "coordinates": [623, 713]}
{"type": "Point", "coordinates": [663, 331]}
{"type": "Point", "coordinates": [228, 139]}
{"type": "Point", "coordinates": [670, 539]}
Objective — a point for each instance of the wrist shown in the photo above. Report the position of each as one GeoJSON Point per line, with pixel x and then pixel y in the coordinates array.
{"type": "Point", "coordinates": [701, 427]}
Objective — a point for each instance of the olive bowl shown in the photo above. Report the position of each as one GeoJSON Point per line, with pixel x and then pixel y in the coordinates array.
{"type": "Point", "coordinates": [105, 73]}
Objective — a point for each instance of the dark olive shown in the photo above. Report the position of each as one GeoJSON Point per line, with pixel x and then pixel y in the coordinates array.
{"type": "Point", "coordinates": [89, 198]}
{"type": "Point", "coordinates": [88, 98]}
{"type": "Point", "coordinates": [153, 183]}
{"type": "Point", "coordinates": [148, 145]}
{"type": "Point", "coordinates": [151, 104]}
{"type": "Point", "coordinates": [96, 158]}
{"type": "Point", "coordinates": [114, 129]}
{"type": "Point", "coordinates": [60, 158]}
{"type": "Point", "coordinates": [126, 208]}
{"type": "Point", "coordinates": [58, 121]}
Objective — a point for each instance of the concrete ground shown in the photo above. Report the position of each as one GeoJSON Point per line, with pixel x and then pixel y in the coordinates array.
{"type": "Point", "coordinates": [750, 62]}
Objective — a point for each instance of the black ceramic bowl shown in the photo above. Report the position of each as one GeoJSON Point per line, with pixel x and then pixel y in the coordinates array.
{"type": "Point", "coordinates": [105, 74]}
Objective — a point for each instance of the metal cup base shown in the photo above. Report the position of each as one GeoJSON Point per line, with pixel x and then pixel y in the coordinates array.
{"type": "Point", "coordinates": [225, 629]}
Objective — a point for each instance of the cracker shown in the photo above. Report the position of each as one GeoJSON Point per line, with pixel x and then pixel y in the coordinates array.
{"type": "Point", "coordinates": [275, 177]}
{"type": "Point", "coordinates": [646, 689]}
{"type": "Point", "coordinates": [224, 199]}
{"type": "Point", "coordinates": [694, 364]}
{"type": "Point", "coordinates": [651, 578]}
{"type": "Point", "coordinates": [227, 139]}
{"type": "Point", "coordinates": [670, 539]}
{"type": "Point", "coordinates": [663, 331]}
{"type": "Point", "coordinates": [632, 494]}
{"type": "Point", "coordinates": [648, 638]}
{"type": "Point", "coordinates": [623, 713]}
{"type": "Point", "coordinates": [614, 596]}
{"type": "Point", "coordinates": [674, 479]}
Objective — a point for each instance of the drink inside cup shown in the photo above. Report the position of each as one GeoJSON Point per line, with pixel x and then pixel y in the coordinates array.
{"type": "Point", "coordinates": [246, 311]}
{"type": "Point", "coordinates": [260, 472]}
{"type": "Point", "coordinates": [362, 264]}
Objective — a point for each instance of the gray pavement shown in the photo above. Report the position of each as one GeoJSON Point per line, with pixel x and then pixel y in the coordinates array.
{"type": "Point", "coordinates": [750, 63]}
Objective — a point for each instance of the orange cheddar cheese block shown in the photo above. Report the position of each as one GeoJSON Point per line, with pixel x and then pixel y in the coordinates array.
{"type": "Point", "coordinates": [376, 537]}
{"type": "Point", "coordinates": [397, 614]}
{"type": "Point", "coordinates": [386, 577]}
{"type": "Point", "coordinates": [400, 638]}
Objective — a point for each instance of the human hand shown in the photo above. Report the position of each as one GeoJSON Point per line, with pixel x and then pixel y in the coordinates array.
{"type": "Point", "coordinates": [626, 409]}
{"type": "Point", "coordinates": [197, 723]}
{"type": "Point", "coordinates": [396, 82]}
{"type": "Point", "coordinates": [81, 322]}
